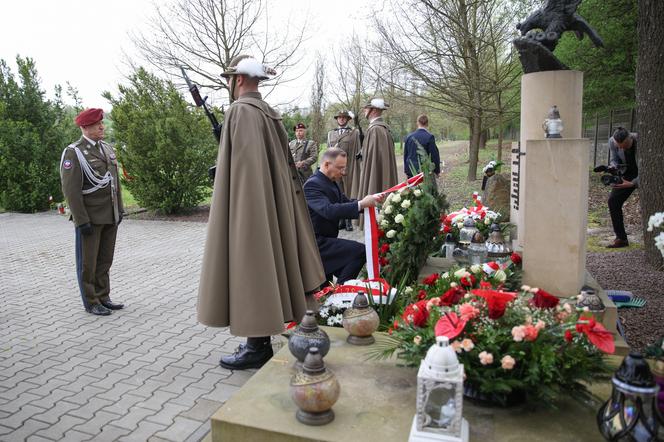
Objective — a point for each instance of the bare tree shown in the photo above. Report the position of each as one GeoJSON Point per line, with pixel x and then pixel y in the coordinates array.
{"type": "Point", "coordinates": [447, 45]}
{"type": "Point", "coordinates": [317, 104]}
{"type": "Point", "coordinates": [203, 36]}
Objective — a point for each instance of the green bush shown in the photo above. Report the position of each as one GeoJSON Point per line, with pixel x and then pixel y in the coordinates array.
{"type": "Point", "coordinates": [164, 145]}
{"type": "Point", "coordinates": [33, 132]}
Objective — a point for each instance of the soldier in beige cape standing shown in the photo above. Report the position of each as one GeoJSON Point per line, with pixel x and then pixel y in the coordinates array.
{"type": "Point", "coordinates": [260, 255]}
{"type": "Point", "coordinates": [379, 163]}
{"type": "Point", "coordinates": [347, 139]}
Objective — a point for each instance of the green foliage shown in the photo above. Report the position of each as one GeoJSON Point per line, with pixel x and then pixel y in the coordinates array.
{"type": "Point", "coordinates": [293, 116]}
{"type": "Point", "coordinates": [164, 146]}
{"type": "Point", "coordinates": [609, 72]}
{"type": "Point", "coordinates": [33, 132]}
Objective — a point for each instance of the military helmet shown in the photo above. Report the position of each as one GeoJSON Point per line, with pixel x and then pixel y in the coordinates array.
{"type": "Point", "coordinates": [247, 65]}
{"type": "Point", "coordinates": [343, 113]}
{"type": "Point", "coordinates": [377, 103]}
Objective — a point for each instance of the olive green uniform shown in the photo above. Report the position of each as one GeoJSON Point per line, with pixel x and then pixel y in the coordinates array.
{"type": "Point", "coordinates": [89, 175]}
{"type": "Point", "coordinates": [306, 151]}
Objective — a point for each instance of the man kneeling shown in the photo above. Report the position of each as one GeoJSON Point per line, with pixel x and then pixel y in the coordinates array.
{"type": "Point", "coordinates": [327, 205]}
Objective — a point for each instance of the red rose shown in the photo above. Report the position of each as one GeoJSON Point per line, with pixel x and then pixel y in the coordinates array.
{"type": "Point", "coordinates": [421, 294]}
{"type": "Point", "coordinates": [382, 261]}
{"type": "Point", "coordinates": [543, 299]}
{"type": "Point", "coordinates": [452, 296]}
{"type": "Point", "coordinates": [384, 249]}
{"type": "Point", "coordinates": [431, 279]}
{"type": "Point", "coordinates": [515, 258]}
{"type": "Point", "coordinates": [568, 336]}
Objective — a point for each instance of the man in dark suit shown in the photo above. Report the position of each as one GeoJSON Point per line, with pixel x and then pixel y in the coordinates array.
{"type": "Point", "coordinates": [421, 136]}
{"type": "Point", "coordinates": [327, 205]}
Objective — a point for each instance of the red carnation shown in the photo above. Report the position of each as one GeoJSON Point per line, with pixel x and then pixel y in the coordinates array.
{"type": "Point", "coordinates": [431, 279]}
{"type": "Point", "coordinates": [452, 296]}
{"type": "Point", "coordinates": [495, 300]}
{"type": "Point", "coordinates": [384, 249]}
{"type": "Point", "coordinates": [543, 299]}
{"type": "Point", "coordinates": [468, 281]}
{"type": "Point", "coordinates": [515, 258]}
{"type": "Point", "coordinates": [416, 314]}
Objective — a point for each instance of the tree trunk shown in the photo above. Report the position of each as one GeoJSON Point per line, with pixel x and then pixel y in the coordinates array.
{"type": "Point", "coordinates": [650, 99]}
{"type": "Point", "coordinates": [499, 152]}
{"type": "Point", "coordinates": [474, 148]}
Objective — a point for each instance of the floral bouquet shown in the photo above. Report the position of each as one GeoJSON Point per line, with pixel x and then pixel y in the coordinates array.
{"type": "Point", "coordinates": [524, 344]}
{"type": "Point", "coordinates": [483, 217]}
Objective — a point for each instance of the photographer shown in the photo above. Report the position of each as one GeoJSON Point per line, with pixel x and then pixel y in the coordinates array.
{"type": "Point", "coordinates": [622, 147]}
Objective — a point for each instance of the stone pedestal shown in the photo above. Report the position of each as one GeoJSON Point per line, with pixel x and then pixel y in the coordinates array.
{"type": "Point", "coordinates": [555, 211]}
{"type": "Point", "coordinates": [540, 91]}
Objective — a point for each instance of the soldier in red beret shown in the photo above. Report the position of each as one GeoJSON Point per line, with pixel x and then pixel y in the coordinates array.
{"type": "Point", "coordinates": [89, 175]}
{"type": "Point", "coordinates": [304, 151]}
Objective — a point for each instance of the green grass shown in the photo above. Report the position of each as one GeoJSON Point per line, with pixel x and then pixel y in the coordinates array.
{"type": "Point", "coordinates": [593, 245]}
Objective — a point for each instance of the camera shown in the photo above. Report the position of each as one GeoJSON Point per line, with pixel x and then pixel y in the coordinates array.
{"type": "Point", "coordinates": [610, 176]}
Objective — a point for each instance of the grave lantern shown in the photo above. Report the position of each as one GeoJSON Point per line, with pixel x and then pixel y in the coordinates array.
{"type": "Point", "coordinates": [448, 246]}
{"type": "Point", "coordinates": [467, 232]}
{"type": "Point", "coordinates": [589, 298]}
{"type": "Point", "coordinates": [631, 412]}
{"type": "Point", "coordinates": [553, 125]}
{"type": "Point", "coordinates": [477, 253]}
{"type": "Point", "coordinates": [439, 397]}
{"type": "Point", "coordinates": [495, 244]}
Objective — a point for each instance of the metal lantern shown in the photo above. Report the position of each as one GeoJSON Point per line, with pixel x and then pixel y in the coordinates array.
{"type": "Point", "coordinates": [439, 396]}
{"type": "Point", "coordinates": [495, 244]}
{"type": "Point", "coordinates": [589, 298]}
{"type": "Point", "coordinates": [553, 125]}
{"type": "Point", "coordinates": [448, 247]}
{"type": "Point", "coordinates": [307, 335]}
{"type": "Point", "coordinates": [477, 253]}
{"type": "Point", "coordinates": [631, 412]}
{"type": "Point", "coordinates": [467, 232]}
{"type": "Point", "coordinates": [360, 321]}
{"type": "Point", "coordinates": [314, 389]}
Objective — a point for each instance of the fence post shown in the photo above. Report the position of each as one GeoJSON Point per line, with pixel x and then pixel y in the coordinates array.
{"type": "Point", "coordinates": [596, 136]}
{"type": "Point", "coordinates": [608, 158]}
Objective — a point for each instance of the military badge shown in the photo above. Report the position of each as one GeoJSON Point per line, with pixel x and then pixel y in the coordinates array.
{"type": "Point", "coordinates": [66, 164]}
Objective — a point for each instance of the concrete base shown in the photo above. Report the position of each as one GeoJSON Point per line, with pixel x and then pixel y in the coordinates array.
{"type": "Point", "coordinates": [377, 402]}
{"type": "Point", "coordinates": [425, 436]}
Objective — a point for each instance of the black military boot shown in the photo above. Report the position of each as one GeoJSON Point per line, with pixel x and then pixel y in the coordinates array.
{"type": "Point", "coordinates": [254, 354]}
{"type": "Point", "coordinates": [349, 225]}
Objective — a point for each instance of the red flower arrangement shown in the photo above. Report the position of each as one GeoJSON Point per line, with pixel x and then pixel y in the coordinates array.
{"type": "Point", "coordinates": [431, 279]}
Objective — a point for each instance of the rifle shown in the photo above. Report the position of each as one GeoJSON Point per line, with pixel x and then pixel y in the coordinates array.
{"type": "Point", "coordinates": [202, 102]}
{"type": "Point", "coordinates": [356, 120]}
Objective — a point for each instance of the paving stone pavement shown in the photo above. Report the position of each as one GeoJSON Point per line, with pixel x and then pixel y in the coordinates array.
{"type": "Point", "coordinates": [148, 372]}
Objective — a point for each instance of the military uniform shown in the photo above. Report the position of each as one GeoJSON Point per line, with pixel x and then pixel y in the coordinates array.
{"type": "Point", "coordinates": [348, 139]}
{"type": "Point", "coordinates": [306, 151]}
{"type": "Point", "coordinates": [89, 175]}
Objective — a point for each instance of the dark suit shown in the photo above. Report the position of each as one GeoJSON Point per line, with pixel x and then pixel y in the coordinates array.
{"type": "Point", "coordinates": [327, 205]}
{"type": "Point", "coordinates": [410, 155]}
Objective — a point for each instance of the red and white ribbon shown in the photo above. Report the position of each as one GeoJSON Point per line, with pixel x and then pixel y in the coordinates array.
{"type": "Point", "coordinates": [371, 227]}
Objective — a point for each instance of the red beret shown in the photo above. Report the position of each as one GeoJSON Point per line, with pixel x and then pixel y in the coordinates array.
{"type": "Point", "coordinates": [300, 126]}
{"type": "Point", "coordinates": [89, 116]}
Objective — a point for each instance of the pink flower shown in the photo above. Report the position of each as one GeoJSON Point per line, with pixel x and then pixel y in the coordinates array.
{"type": "Point", "coordinates": [467, 344]}
{"type": "Point", "coordinates": [456, 345]}
{"type": "Point", "coordinates": [468, 311]}
{"type": "Point", "coordinates": [486, 358]}
{"type": "Point", "coordinates": [531, 332]}
{"type": "Point", "coordinates": [540, 325]}
{"type": "Point", "coordinates": [518, 333]}
{"type": "Point", "coordinates": [507, 362]}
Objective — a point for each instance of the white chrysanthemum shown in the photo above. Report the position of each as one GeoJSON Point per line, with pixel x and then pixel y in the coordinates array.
{"type": "Point", "coordinates": [398, 219]}
{"type": "Point", "coordinates": [405, 204]}
{"type": "Point", "coordinates": [396, 198]}
{"type": "Point", "coordinates": [384, 223]}
{"type": "Point", "coordinates": [387, 209]}
{"type": "Point", "coordinates": [391, 234]}
{"type": "Point", "coordinates": [417, 192]}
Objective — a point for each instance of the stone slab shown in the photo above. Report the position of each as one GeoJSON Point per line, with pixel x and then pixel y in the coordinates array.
{"type": "Point", "coordinates": [377, 402]}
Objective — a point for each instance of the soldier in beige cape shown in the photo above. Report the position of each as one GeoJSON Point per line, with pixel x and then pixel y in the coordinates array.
{"type": "Point", "coordinates": [260, 255]}
{"type": "Point", "coordinates": [379, 164]}
{"type": "Point", "coordinates": [347, 139]}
